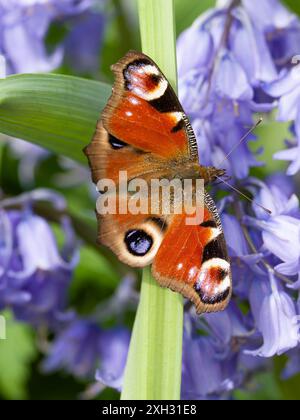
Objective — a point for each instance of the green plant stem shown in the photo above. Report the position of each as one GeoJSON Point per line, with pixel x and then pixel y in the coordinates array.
{"type": "Point", "coordinates": [153, 370]}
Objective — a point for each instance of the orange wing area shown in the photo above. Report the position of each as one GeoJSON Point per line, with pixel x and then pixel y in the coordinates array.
{"type": "Point", "coordinates": [107, 163]}
{"type": "Point", "coordinates": [144, 111]}
{"type": "Point", "coordinates": [136, 122]}
{"type": "Point", "coordinates": [193, 261]}
{"type": "Point", "coordinates": [116, 231]}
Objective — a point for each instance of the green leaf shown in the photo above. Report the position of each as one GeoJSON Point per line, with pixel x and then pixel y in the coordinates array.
{"type": "Point", "coordinates": [293, 5]}
{"type": "Point", "coordinates": [263, 387]}
{"type": "Point", "coordinates": [54, 111]}
{"type": "Point", "coordinates": [153, 369]}
{"type": "Point", "coordinates": [188, 11]}
{"type": "Point", "coordinates": [95, 278]}
{"type": "Point", "coordinates": [16, 354]}
{"type": "Point", "coordinates": [270, 385]}
{"type": "Point", "coordinates": [95, 266]}
{"type": "Point", "coordinates": [289, 388]}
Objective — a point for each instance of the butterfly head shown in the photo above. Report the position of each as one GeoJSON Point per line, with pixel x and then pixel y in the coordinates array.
{"type": "Point", "coordinates": [211, 174]}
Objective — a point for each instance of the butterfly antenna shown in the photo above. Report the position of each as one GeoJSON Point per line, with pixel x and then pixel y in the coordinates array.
{"type": "Point", "coordinates": [241, 141]}
{"type": "Point", "coordinates": [245, 196]}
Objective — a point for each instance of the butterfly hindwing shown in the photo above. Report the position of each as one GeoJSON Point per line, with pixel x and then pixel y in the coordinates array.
{"type": "Point", "coordinates": [189, 259]}
{"type": "Point", "coordinates": [134, 238]}
{"type": "Point", "coordinates": [193, 260]}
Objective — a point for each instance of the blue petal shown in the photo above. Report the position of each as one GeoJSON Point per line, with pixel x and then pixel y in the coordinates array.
{"type": "Point", "coordinates": [275, 316]}
{"type": "Point", "coordinates": [231, 80]}
{"type": "Point", "coordinates": [270, 14]}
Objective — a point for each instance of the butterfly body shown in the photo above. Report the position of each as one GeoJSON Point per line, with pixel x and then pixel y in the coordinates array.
{"type": "Point", "coordinates": [144, 131]}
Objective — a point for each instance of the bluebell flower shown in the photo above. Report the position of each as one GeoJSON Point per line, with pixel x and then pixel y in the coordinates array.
{"type": "Point", "coordinates": [274, 310]}
{"type": "Point", "coordinates": [270, 16]}
{"type": "Point", "coordinates": [287, 90]}
{"type": "Point", "coordinates": [23, 29]}
{"type": "Point", "coordinates": [244, 262]}
{"type": "Point", "coordinates": [276, 318]}
{"type": "Point", "coordinates": [234, 61]}
{"type": "Point", "coordinates": [115, 346]}
{"type": "Point", "coordinates": [280, 27]}
{"type": "Point", "coordinates": [229, 325]}
{"type": "Point", "coordinates": [220, 84]}
{"type": "Point", "coordinates": [84, 347]}
{"type": "Point", "coordinates": [76, 349]}
{"type": "Point", "coordinates": [87, 350]}
{"type": "Point", "coordinates": [204, 374]}
{"type": "Point", "coordinates": [24, 26]}
{"type": "Point", "coordinates": [281, 229]}
{"type": "Point", "coordinates": [282, 183]}
{"type": "Point", "coordinates": [282, 30]}
{"type": "Point", "coordinates": [34, 274]}
{"type": "Point", "coordinates": [214, 362]}
{"type": "Point", "coordinates": [30, 156]}
{"type": "Point", "coordinates": [83, 44]}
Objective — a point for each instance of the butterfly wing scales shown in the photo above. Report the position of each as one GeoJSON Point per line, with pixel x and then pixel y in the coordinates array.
{"type": "Point", "coordinates": [144, 111]}
{"type": "Point", "coordinates": [109, 156]}
{"type": "Point", "coordinates": [134, 238]}
{"type": "Point", "coordinates": [142, 126]}
{"type": "Point", "coordinates": [198, 265]}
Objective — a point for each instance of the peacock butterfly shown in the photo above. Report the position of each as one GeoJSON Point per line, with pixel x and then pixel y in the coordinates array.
{"type": "Point", "coordinates": [144, 131]}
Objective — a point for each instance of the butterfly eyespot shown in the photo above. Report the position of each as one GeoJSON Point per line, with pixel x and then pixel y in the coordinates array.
{"type": "Point", "coordinates": [209, 223]}
{"type": "Point", "coordinates": [222, 273]}
{"type": "Point", "coordinates": [138, 242]}
{"type": "Point", "coordinates": [144, 80]}
{"type": "Point", "coordinates": [212, 300]}
{"type": "Point", "coordinates": [155, 79]}
{"type": "Point", "coordinates": [116, 143]}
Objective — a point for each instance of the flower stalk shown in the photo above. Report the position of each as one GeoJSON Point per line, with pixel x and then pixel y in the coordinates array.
{"type": "Point", "coordinates": [153, 369]}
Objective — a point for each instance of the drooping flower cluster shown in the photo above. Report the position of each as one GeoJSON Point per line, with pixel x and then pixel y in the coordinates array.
{"type": "Point", "coordinates": [84, 346]}
{"type": "Point", "coordinates": [231, 61]}
{"type": "Point", "coordinates": [237, 60]}
{"type": "Point", "coordinates": [287, 90]}
{"type": "Point", "coordinates": [87, 350]}
{"type": "Point", "coordinates": [35, 276]}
